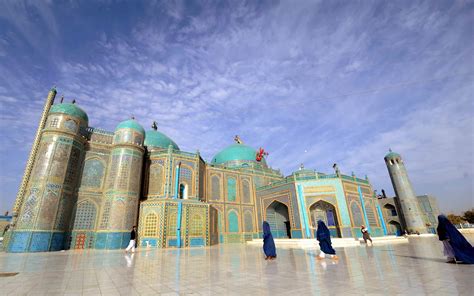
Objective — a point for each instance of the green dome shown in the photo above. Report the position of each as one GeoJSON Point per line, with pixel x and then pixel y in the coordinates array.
{"type": "Point", "coordinates": [235, 152]}
{"type": "Point", "coordinates": [157, 139]}
{"type": "Point", "coordinates": [131, 123]}
{"type": "Point", "coordinates": [392, 154]}
{"type": "Point", "coordinates": [69, 109]}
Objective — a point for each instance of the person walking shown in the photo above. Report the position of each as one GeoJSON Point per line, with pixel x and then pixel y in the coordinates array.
{"type": "Point", "coordinates": [268, 243]}
{"type": "Point", "coordinates": [324, 238]}
{"type": "Point", "coordinates": [366, 235]}
{"type": "Point", "coordinates": [455, 246]}
{"type": "Point", "coordinates": [131, 244]}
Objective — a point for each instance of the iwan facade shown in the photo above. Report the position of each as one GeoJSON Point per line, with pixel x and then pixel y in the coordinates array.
{"type": "Point", "coordinates": [85, 188]}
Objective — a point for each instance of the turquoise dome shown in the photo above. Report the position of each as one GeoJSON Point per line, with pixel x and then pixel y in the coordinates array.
{"type": "Point", "coordinates": [235, 152]}
{"type": "Point", "coordinates": [392, 154]}
{"type": "Point", "coordinates": [157, 139]}
{"type": "Point", "coordinates": [69, 109]}
{"type": "Point", "coordinates": [131, 123]}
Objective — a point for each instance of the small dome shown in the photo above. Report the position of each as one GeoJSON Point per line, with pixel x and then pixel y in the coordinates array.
{"type": "Point", "coordinates": [235, 152]}
{"type": "Point", "coordinates": [69, 109]}
{"type": "Point", "coordinates": [155, 138]}
{"type": "Point", "coordinates": [132, 124]}
{"type": "Point", "coordinates": [392, 154]}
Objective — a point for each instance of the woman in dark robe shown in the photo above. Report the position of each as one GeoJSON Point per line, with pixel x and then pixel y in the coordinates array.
{"type": "Point", "coordinates": [268, 243]}
{"type": "Point", "coordinates": [324, 238]}
{"type": "Point", "coordinates": [456, 247]}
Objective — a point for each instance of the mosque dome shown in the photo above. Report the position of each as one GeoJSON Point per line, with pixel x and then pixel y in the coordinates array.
{"type": "Point", "coordinates": [155, 138]}
{"type": "Point", "coordinates": [235, 152]}
{"type": "Point", "coordinates": [392, 154]}
{"type": "Point", "coordinates": [131, 124]}
{"type": "Point", "coordinates": [69, 109]}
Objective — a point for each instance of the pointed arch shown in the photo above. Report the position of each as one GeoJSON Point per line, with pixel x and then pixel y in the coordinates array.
{"type": "Point", "coordinates": [86, 215]}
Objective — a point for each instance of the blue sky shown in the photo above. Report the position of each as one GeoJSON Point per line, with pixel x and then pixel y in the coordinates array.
{"type": "Point", "coordinates": [313, 82]}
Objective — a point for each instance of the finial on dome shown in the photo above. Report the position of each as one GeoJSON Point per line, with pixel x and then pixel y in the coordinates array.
{"type": "Point", "coordinates": [132, 117]}
{"type": "Point", "coordinates": [62, 99]}
{"type": "Point", "coordinates": [390, 150]}
{"type": "Point", "coordinates": [74, 101]}
{"type": "Point", "coordinates": [301, 166]}
{"type": "Point", "coordinates": [154, 126]}
{"type": "Point", "coordinates": [238, 140]}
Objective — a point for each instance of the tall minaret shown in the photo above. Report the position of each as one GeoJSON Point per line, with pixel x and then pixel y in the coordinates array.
{"type": "Point", "coordinates": [411, 214]}
{"type": "Point", "coordinates": [34, 150]}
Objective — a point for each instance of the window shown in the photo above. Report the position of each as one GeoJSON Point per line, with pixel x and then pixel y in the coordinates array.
{"type": "Point", "coordinates": [215, 188]}
{"type": "Point", "coordinates": [54, 122]}
{"type": "Point", "coordinates": [246, 191]}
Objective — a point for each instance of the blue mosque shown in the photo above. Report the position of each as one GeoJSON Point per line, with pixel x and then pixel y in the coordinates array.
{"type": "Point", "coordinates": [84, 187]}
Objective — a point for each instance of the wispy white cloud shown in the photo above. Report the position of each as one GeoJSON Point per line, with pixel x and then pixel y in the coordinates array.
{"type": "Point", "coordinates": [313, 82]}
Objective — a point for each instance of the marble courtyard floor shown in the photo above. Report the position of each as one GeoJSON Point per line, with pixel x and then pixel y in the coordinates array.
{"type": "Point", "coordinates": [415, 268]}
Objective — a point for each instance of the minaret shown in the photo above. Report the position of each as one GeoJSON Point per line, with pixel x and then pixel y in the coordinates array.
{"type": "Point", "coordinates": [411, 214]}
{"type": "Point", "coordinates": [122, 186]}
{"type": "Point", "coordinates": [34, 150]}
{"type": "Point", "coordinates": [50, 192]}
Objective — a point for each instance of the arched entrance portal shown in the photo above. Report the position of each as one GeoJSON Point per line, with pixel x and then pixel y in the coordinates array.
{"type": "Point", "coordinates": [326, 212]}
{"type": "Point", "coordinates": [395, 228]}
{"type": "Point", "coordinates": [276, 215]}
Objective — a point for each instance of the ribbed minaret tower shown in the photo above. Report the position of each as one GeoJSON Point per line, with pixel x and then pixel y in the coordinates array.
{"type": "Point", "coordinates": [34, 150]}
{"type": "Point", "coordinates": [122, 186]}
{"type": "Point", "coordinates": [50, 192]}
{"type": "Point", "coordinates": [411, 215]}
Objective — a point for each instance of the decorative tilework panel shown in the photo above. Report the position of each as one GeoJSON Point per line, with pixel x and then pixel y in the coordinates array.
{"type": "Point", "coordinates": [123, 172]}
{"type": "Point", "coordinates": [358, 220]}
{"type": "Point", "coordinates": [172, 220]}
{"type": "Point", "coordinates": [248, 221]}
{"type": "Point", "coordinates": [231, 190]}
{"type": "Point", "coordinates": [48, 209]}
{"type": "Point", "coordinates": [85, 215]}
{"type": "Point", "coordinates": [131, 214]}
{"type": "Point", "coordinates": [246, 191]}
{"type": "Point", "coordinates": [370, 214]}
{"type": "Point", "coordinates": [40, 241]}
{"type": "Point", "coordinates": [60, 160]}
{"type": "Point", "coordinates": [156, 180]}
{"type": "Point", "coordinates": [43, 157]}
{"type": "Point", "coordinates": [196, 227]}
{"type": "Point", "coordinates": [57, 241]}
{"type": "Point", "coordinates": [93, 173]}
{"type": "Point", "coordinates": [151, 225]}
{"type": "Point", "coordinates": [54, 122]}
{"type": "Point", "coordinates": [104, 222]}
{"type": "Point", "coordinates": [64, 212]}
{"type": "Point", "coordinates": [117, 215]}
{"type": "Point", "coordinates": [19, 242]}
{"type": "Point", "coordinates": [233, 220]}
{"type": "Point", "coordinates": [215, 188]}
{"type": "Point", "coordinates": [100, 240]}
{"type": "Point", "coordinates": [29, 209]}
{"type": "Point", "coordinates": [136, 169]}
{"type": "Point", "coordinates": [73, 169]}
{"type": "Point", "coordinates": [112, 174]}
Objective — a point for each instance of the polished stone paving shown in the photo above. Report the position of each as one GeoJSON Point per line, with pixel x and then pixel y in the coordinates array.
{"type": "Point", "coordinates": [414, 268]}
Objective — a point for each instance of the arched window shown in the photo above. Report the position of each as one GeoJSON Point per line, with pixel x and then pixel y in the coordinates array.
{"type": "Point", "coordinates": [246, 191]}
{"type": "Point", "coordinates": [196, 226]}
{"type": "Point", "coordinates": [248, 221]}
{"type": "Point", "coordinates": [231, 192]}
{"type": "Point", "coordinates": [85, 215]}
{"type": "Point", "coordinates": [215, 188]}
{"type": "Point", "coordinates": [357, 218]}
{"type": "Point", "coordinates": [233, 220]}
{"type": "Point", "coordinates": [93, 173]}
{"type": "Point", "coordinates": [151, 225]}
{"type": "Point", "coordinates": [183, 191]}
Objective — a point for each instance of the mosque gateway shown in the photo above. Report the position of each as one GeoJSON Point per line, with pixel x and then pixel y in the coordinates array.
{"type": "Point", "coordinates": [85, 187]}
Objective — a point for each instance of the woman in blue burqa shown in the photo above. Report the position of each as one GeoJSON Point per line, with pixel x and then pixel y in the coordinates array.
{"type": "Point", "coordinates": [268, 243]}
{"type": "Point", "coordinates": [455, 246]}
{"type": "Point", "coordinates": [324, 238]}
